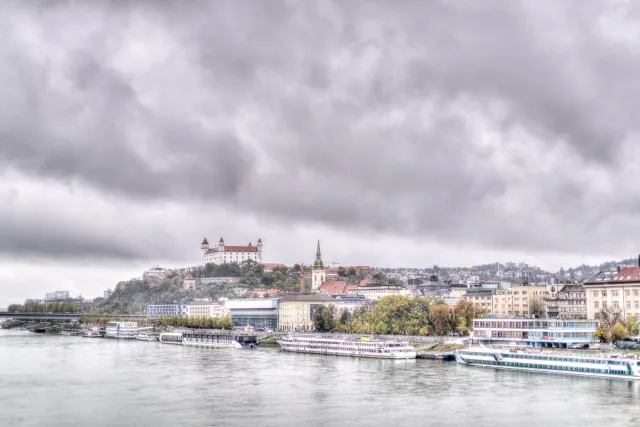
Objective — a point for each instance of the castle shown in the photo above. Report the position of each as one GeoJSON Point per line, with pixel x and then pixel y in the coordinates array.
{"type": "Point", "coordinates": [318, 273]}
{"type": "Point", "coordinates": [227, 254]}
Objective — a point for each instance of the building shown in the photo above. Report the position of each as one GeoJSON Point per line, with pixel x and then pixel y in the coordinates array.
{"type": "Point", "coordinates": [618, 290]}
{"type": "Point", "coordinates": [167, 309]}
{"type": "Point", "coordinates": [107, 293]}
{"type": "Point", "coordinates": [223, 254]}
{"type": "Point", "coordinates": [570, 302]}
{"type": "Point", "coordinates": [57, 296]}
{"type": "Point", "coordinates": [260, 313]}
{"type": "Point", "coordinates": [334, 287]}
{"type": "Point", "coordinates": [295, 311]}
{"type": "Point", "coordinates": [269, 267]}
{"type": "Point", "coordinates": [349, 302]}
{"type": "Point", "coordinates": [517, 301]}
{"type": "Point", "coordinates": [375, 291]}
{"type": "Point", "coordinates": [205, 309]}
{"type": "Point", "coordinates": [533, 332]}
{"type": "Point", "coordinates": [155, 273]}
{"type": "Point", "coordinates": [189, 282]}
{"type": "Point", "coordinates": [318, 273]}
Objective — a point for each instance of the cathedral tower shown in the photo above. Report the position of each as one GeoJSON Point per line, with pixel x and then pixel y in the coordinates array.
{"type": "Point", "coordinates": [318, 274]}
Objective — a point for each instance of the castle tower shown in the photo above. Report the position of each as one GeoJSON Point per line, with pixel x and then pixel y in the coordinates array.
{"type": "Point", "coordinates": [259, 245]}
{"type": "Point", "coordinates": [221, 245]}
{"type": "Point", "coordinates": [204, 247]}
{"type": "Point", "coordinates": [318, 274]}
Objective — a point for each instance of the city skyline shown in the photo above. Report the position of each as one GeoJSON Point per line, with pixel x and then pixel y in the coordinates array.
{"type": "Point", "coordinates": [137, 129]}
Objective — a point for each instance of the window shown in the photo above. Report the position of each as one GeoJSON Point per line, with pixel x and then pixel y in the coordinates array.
{"type": "Point", "coordinates": [596, 304]}
{"type": "Point", "coordinates": [635, 292]}
{"type": "Point", "coordinates": [616, 304]}
{"type": "Point", "coordinates": [628, 304]}
{"type": "Point", "coordinates": [637, 304]}
{"type": "Point", "coordinates": [627, 292]}
{"type": "Point", "coordinates": [604, 304]}
{"type": "Point", "coordinates": [615, 293]}
{"type": "Point", "coordinates": [604, 293]}
{"type": "Point", "coordinates": [595, 294]}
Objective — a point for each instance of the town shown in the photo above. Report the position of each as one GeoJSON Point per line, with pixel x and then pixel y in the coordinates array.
{"type": "Point", "coordinates": [571, 308]}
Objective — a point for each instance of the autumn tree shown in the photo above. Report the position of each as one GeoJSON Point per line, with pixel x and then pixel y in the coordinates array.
{"type": "Point", "coordinates": [618, 332]}
{"type": "Point", "coordinates": [633, 328]}
{"type": "Point", "coordinates": [441, 317]}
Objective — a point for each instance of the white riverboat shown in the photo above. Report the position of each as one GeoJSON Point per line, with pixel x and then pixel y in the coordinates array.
{"type": "Point", "coordinates": [145, 337]}
{"type": "Point", "coordinates": [171, 338]}
{"type": "Point", "coordinates": [354, 347]}
{"type": "Point", "coordinates": [219, 339]}
{"type": "Point", "coordinates": [121, 330]}
{"type": "Point", "coordinates": [591, 365]}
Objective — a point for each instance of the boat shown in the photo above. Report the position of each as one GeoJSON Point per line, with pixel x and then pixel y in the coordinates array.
{"type": "Point", "coordinates": [121, 330]}
{"type": "Point", "coordinates": [354, 347]}
{"type": "Point", "coordinates": [554, 362]}
{"type": "Point", "coordinates": [171, 338]}
{"type": "Point", "coordinates": [219, 338]}
{"type": "Point", "coordinates": [145, 337]}
{"type": "Point", "coordinates": [92, 334]}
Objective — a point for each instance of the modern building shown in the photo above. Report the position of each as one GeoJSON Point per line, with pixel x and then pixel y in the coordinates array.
{"type": "Point", "coordinates": [375, 291]}
{"type": "Point", "coordinates": [167, 309]}
{"type": "Point", "coordinates": [261, 313]}
{"type": "Point", "coordinates": [570, 302]}
{"type": "Point", "coordinates": [318, 273]}
{"type": "Point", "coordinates": [57, 296]}
{"type": "Point", "coordinates": [533, 332]}
{"type": "Point", "coordinates": [206, 309]}
{"type": "Point", "coordinates": [295, 311]}
{"type": "Point", "coordinates": [223, 254]}
{"type": "Point", "coordinates": [618, 290]}
{"type": "Point", "coordinates": [517, 301]}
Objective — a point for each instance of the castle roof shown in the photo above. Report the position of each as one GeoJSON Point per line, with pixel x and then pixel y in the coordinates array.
{"type": "Point", "coordinates": [235, 249]}
{"type": "Point", "coordinates": [205, 242]}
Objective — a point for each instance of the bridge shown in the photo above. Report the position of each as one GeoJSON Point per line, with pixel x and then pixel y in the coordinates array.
{"type": "Point", "coordinates": [65, 316]}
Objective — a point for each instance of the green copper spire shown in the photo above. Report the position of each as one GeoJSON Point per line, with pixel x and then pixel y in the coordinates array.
{"type": "Point", "coordinates": [318, 263]}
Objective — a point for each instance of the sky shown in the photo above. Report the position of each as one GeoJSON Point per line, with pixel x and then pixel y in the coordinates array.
{"type": "Point", "coordinates": [442, 132]}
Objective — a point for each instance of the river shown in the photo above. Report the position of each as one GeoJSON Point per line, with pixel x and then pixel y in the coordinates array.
{"type": "Point", "coordinates": [70, 381]}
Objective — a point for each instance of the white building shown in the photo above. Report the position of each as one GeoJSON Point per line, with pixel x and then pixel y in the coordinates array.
{"type": "Point", "coordinates": [56, 296]}
{"type": "Point", "coordinates": [156, 273]}
{"type": "Point", "coordinates": [227, 254]}
{"type": "Point", "coordinates": [206, 309]}
{"type": "Point", "coordinates": [375, 291]}
{"type": "Point", "coordinates": [318, 273]}
{"type": "Point", "coordinates": [192, 309]}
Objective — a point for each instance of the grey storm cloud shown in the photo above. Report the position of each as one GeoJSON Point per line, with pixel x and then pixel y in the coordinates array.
{"type": "Point", "coordinates": [373, 115]}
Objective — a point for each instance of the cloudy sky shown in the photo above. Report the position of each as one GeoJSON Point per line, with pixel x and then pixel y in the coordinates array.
{"type": "Point", "coordinates": [447, 133]}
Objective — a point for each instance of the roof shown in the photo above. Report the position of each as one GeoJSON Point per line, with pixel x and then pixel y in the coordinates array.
{"type": "Point", "coordinates": [349, 287]}
{"type": "Point", "coordinates": [272, 291]}
{"type": "Point", "coordinates": [333, 287]}
{"type": "Point", "coordinates": [365, 281]}
{"type": "Point", "coordinates": [306, 298]}
{"type": "Point", "coordinates": [626, 275]}
{"type": "Point", "coordinates": [572, 288]}
{"type": "Point", "coordinates": [236, 249]}
{"type": "Point", "coordinates": [273, 265]}
{"type": "Point", "coordinates": [205, 242]}
{"type": "Point", "coordinates": [259, 240]}
{"type": "Point", "coordinates": [189, 277]}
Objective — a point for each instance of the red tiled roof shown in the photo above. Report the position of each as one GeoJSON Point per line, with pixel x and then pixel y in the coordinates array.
{"type": "Point", "coordinates": [236, 249]}
{"type": "Point", "coordinates": [205, 242]}
{"type": "Point", "coordinates": [332, 287]}
{"type": "Point", "coordinates": [627, 274]}
{"type": "Point", "coordinates": [272, 291]}
{"type": "Point", "coordinates": [349, 288]}
{"type": "Point", "coordinates": [358, 267]}
{"type": "Point", "coordinates": [189, 277]}
{"type": "Point", "coordinates": [273, 265]}
{"type": "Point", "coordinates": [332, 271]}
{"type": "Point", "coordinates": [365, 281]}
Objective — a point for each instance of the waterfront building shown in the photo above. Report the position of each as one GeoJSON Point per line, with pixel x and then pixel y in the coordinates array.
{"type": "Point", "coordinates": [618, 290]}
{"type": "Point", "coordinates": [534, 332]}
{"type": "Point", "coordinates": [375, 291]}
{"type": "Point", "coordinates": [570, 302]}
{"type": "Point", "coordinates": [223, 254]}
{"type": "Point", "coordinates": [167, 310]}
{"type": "Point", "coordinates": [519, 300]}
{"type": "Point", "coordinates": [318, 273]}
{"type": "Point", "coordinates": [57, 296]}
{"type": "Point", "coordinates": [205, 309]}
{"type": "Point", "coordinates": [295, 311]}
{"type": "Point", "coordinates": [261, 313]}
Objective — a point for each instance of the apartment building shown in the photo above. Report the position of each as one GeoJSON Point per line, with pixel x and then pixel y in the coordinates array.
{"type": "Point", "coordinates": [618, 290]}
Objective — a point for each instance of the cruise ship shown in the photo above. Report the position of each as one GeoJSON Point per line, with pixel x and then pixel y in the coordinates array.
{"type": "Point", "coordinates": [354, 347]}
{"type": "Point", "coordinates": [210, 339]}
{"type": "Point", "coordinates": [121, 330]}
{"type": "Point", "coordinates": [595, 365]}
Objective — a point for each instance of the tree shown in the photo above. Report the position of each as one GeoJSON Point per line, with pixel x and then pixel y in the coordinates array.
{"type": "Point", "coordinates": [318, 318]}
{"type": "Point", "coordinates": [618, 332]}
{"type": "Point", "coordinates": [342, 272]}
{"type": "Point", "coordinates": [601, 334]}
{"type": "Point", "coordinates": [441, 317]}
{"type": "Point", "coordinates": [462, 326]}
{"type": "Point", "coordinates": [537, 308]}
{"type": "Point", "coordinates": [328, 319]}
{"type": "Point", "coordinates": [608, 317]}
{"type": "Point", "coordinates": [346, 317]}
{"type": "Point", "coordinates": [633, 328]}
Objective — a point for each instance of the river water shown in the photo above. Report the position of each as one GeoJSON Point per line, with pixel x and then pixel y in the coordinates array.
{"type": "Point", "coordinates": [69, 381]}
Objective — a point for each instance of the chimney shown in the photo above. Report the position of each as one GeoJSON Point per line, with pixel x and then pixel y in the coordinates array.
{"type": "Point", "coordinates": [618, 269]}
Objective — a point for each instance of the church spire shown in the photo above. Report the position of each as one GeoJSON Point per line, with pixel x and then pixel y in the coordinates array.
{"type": "Point", "coordinates": [318, 263]}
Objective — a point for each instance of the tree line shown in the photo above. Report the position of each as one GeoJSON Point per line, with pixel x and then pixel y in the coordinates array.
{"type": "Point", "coordinates": [47, 307]}
{"type": "Point", "coordinates": [400, 315]}
{"type": "Point", "coordinates": [223, 322]}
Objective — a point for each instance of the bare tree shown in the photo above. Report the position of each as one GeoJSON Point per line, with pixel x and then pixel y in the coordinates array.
{"type": "Point", "coordinates": [609, 317]}
{"type": "Point", "coordinates": [537, 308]}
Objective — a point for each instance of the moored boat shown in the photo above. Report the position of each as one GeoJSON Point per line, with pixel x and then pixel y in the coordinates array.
{"type": "Point", "coordinates": [145, 337]}
{"type": "Point", "coordinates": [354, 347]}
{"type": "Point", "coordinates": [592, 365]}
{"type": "Point", "coordinates": [121, 330]}
{"type": "Point", "coordinates": [221, 338]}
{"type": "Point", "coordinates": [171, 338]}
